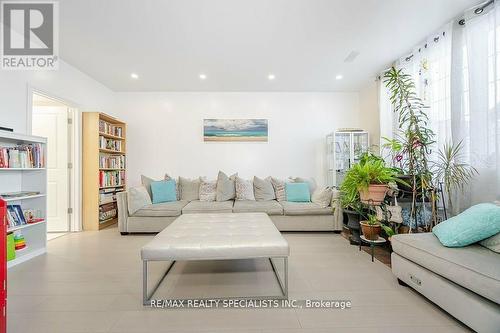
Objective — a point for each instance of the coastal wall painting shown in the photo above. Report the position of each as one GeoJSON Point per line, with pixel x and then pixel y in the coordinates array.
{"type": "Point", "coordinates": [235, 130]}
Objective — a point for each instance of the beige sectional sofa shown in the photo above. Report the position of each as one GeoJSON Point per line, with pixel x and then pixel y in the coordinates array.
{"type": "Point", "coordinates": [287, 216]}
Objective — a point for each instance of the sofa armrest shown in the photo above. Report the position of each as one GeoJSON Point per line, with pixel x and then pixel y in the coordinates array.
{"type": "Point", "coordinates": [121, 201]}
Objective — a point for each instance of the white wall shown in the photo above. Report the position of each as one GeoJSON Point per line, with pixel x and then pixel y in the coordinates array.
{"type": "Point", "coordinates": [369, 111]}
{"type": "Point", "coordinates": [67, 83]}
{"type": "Point", "coordinates": [165, 132]}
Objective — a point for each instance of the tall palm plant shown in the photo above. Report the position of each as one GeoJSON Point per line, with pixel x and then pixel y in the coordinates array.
{"type": "Point", "coordinates": [451, 169]}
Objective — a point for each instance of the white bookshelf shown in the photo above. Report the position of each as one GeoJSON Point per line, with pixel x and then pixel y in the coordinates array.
{"type": "Point", "coordinates": [26, 179]}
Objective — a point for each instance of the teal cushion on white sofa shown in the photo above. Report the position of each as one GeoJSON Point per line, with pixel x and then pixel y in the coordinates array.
{"type": "Point", "coordinates": [473, 225]}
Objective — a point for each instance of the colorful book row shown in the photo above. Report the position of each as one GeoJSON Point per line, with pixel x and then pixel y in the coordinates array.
{"type": "Point", "coordinates": [105, 127]}
{"type": "Point", "coordinates": [22, 156]}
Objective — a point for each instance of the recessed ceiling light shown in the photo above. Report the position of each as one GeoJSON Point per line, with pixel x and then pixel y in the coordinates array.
{"type": "Point", "coordinates": [271, 77]}
{"type": "Point", "coordinates": [203, 77]}
{"type": "Point", "coordinates": [339, 77]}
{"type": "Point", "coordinates": [134, 76]}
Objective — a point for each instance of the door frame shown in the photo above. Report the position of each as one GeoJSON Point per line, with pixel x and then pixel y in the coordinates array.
{"type": "Point", "coordinates": [75, 152]}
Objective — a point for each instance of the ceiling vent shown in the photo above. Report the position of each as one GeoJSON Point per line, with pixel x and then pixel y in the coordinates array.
{"type": "Point", "coordinates": [351, 56]}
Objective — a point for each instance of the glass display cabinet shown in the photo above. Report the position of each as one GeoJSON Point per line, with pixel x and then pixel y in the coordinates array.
{"type": "Point", "coordinates": [344, 148]}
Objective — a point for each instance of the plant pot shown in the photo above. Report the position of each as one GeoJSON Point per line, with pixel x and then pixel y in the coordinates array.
{"type": "Point", "coordinates": [353, 219]}
{"type": "Point", "coordinates": [375, 194]}
{"type": "Point", "coordinates": [370, 231]}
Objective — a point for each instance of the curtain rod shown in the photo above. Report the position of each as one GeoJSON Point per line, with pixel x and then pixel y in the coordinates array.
{"type": "Point", "coordinates": [478, 10]}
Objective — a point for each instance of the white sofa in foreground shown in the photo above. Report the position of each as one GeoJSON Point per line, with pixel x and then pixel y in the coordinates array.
{"type": "Point", "coordinates": [464, 281]}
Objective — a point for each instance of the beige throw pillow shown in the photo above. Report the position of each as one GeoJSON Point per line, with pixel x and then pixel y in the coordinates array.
{"type": "Point", "coordinates": [225, 187]}
{"type": "Point", "coordinates": [263, 189]}
{"type": "Point", "coordinates": [492, 243]}
{"type": "Point", "coordinates": [244, 189]}
{"type": "Point", "coordinates": [189, 188]}
{"type": "Point", "coordinates": [279, 189]}
{"type": "Point", "coordinates": [137, 197]}
{"type": "Point", "coordinates": [146, 182]}
{"type": "Point", "coordinates": [208, 190]}
{"type": "Point", "coordinates": [322, 197]}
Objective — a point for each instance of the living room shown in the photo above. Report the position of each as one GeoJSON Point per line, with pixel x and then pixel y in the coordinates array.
{"type": "Point", "coordinates": [250, 166]}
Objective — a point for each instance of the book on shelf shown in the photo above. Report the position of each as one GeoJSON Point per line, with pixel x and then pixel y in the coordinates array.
{"type": "Point", "coordinates": [111, 161]}
{"type": "Point", "coordinates": [16, 216]}
{"type": "Point", "coordinates": [108, 195]}
{"type": "Point", "coordinates": [107, 128]}
{"type": "Point", "coordinates": [22, 156]}
{"type": "Point", "coordinates": [111, 178]}
{"type": "Point", "coordinates": [110, 144]}
{"type": "Point", "coordinates": [107, 212]}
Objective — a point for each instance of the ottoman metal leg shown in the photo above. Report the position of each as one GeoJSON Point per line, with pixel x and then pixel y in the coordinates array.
{"type": "Point", "coordinates": [283, 282]}
{"type": "Point", "coordinates": [146, 297]}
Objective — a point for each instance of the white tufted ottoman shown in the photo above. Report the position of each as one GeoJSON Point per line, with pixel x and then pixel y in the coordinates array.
{"type": "Point", "coordinates": [217, 237]}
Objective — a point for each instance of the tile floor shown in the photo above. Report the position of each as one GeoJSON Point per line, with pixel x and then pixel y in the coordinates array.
{"type": "Point", "coordinates": [91, 282]}
{"type": "Point", "coordinates": [54, 235]}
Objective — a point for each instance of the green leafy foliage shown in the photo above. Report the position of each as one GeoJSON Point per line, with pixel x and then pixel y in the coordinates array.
{"type": "Point", "coordinates": [452, 170]}
{"type": "Point", "coordinates": [372, 220]}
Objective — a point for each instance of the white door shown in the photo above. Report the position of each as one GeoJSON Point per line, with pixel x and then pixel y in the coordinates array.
{"type": "Point", "coordinates": [52, 123]}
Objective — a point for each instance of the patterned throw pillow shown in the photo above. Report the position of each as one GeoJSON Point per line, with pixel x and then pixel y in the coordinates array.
{"type": "Point", "coordinates": [322, 197]}
{"type": "Point", "coordinates": [225, 187]}
{"type": "Point", "coordinates": [244, 189]}
{"type": "Point", "coordinates": [263, 189]}
{"type": "Point", "coordinates": [208, 190]}
{"type": "Point", "coordinates": [279, 189]}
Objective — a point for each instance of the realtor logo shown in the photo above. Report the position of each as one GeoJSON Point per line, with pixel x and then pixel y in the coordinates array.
{"type": "Point", "coordinates": [29, 35]}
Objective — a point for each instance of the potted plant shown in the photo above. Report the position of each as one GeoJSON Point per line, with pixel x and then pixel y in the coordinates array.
{"type": "Point", "coordinates": [452, 170]}
{"type": "Point", "coordinates": [371, 228]}
{"type": "Point", "coordinates": [371, 180]}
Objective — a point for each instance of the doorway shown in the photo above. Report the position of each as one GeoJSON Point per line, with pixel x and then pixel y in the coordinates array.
{"type": "Point", "coordinates": [53, 119]}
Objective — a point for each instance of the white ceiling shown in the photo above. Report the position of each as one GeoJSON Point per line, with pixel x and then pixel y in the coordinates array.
{"type": "Point", "coordinates": [237, 43]}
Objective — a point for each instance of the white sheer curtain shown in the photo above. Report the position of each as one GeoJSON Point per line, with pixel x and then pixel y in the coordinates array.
{"type": "Point", "coordinates": [475, 91]}
{"type": "Point", "coordinates": [457, 75]}
{"type": "Point", "coordinates": [430, 66]}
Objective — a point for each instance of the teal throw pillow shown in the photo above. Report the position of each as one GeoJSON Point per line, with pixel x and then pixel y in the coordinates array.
{"type": "Point", "coordinates": [473, 225]}
{"type": "Point", "coordinates": [163, 191]}
{"type": "Point", "coordinates": [297, 192]}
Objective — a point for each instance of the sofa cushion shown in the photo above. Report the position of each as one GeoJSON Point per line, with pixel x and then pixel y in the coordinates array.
{"type": "Point", "coordinates": [473, 225]}
{"type": "Point", "coordinates": [492, 243]}
{"type": "Point", "coordinates": [137, 198]}
{"type": "Point", "coordinates": [163, 191]}
{"type": "Point", "coordinates": [279, 188]}
{"type": "Point", "coordinates": [322, 197]}
{"type": "Point", "coordinates": [208, 190]}
{"type": "Point", "coordinates": [473, 267]}
{"type": "Point", "coordinates": [271, 207]}
{"type": "Point", "coordinates": [189, 188]}
{"type": "Point", "coordinates": [244, 189]}
{"type": "Point", "coordinates": [173, 208]}
{"type": "Point", "coordinates": [225, 187]}
{"type": "Point", "coordinates": [304, 208]}
{"type": "Point", "coordinates": [297, 192]}
{"type": "Point", "coordinates": [263, 189]}
{"type": "Point", "coordinates": [198, 206]}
